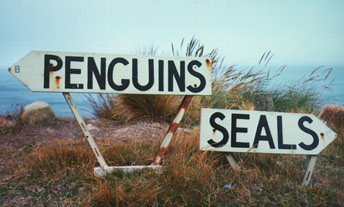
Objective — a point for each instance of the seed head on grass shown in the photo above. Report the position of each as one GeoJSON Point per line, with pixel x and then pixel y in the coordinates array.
{"type": "Point", "coordinates": [228, 86]}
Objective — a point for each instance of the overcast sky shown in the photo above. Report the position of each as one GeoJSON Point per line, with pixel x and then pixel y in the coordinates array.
{"type": "Point", "coordinates": [299, 32]}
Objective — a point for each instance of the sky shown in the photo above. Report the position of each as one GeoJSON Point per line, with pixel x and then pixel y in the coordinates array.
{"type": "Point", "coordinates": [307, 32]}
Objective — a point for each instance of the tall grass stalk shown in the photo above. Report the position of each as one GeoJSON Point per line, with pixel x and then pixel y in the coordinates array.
{"type": "Point", "coordinates": [232, 88]}
{"type": "Point", "coordinates": [228, 86]}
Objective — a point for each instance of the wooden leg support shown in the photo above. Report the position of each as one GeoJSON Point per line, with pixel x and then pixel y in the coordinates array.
{"type": "Point", "coordinates": [85, 130]}
{"type": "Point", "coordinates": [171, 132]}
{"type": "Point", "coordinates": [310, 165]}
{"type": "Point", "coordinates": [311, 160]}
{"type": "Point", "coordinates": [231, 160]}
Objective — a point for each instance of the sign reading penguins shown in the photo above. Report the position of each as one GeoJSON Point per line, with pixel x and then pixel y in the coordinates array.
{"type": "Point", "coordinates": [263, 132]}
{"type": "Point", "coordinates": [104, 73]}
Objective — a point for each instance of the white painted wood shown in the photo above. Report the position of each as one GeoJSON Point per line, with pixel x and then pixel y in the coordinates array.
{"type": "Point", "coordinates": [229, 127]}
{"type": "Point", "coordinates": [311, 161]}
{"type": "Point", "coordinates": [232, 161]}
{"type": "Point", "coordinates": [48, 71]}
{"type": "Point", "coordinates": [85, 130]}
{"type": "Point", "coordinates": [99, 172]}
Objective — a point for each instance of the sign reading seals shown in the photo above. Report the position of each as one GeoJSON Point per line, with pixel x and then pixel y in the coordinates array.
{"type": "Point", "coordinates": [263, 132]}
{"type": "Point", "coordinates": [104, 73]}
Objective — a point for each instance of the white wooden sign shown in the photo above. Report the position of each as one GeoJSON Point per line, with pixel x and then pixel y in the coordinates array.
{"type": "Point", "coordinates": [105, 73]}
{"type": "Point", "coordinates": [263, 132]}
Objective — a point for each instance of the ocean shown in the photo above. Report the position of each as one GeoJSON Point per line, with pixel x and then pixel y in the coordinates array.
{"type": "Point", "coordinates": [14, 93]}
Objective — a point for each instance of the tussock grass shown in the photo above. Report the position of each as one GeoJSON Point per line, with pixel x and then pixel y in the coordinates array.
{"type": "Point", "coordinates": [58, 158]}
{"type": "Point", "coordinates": [232, 88]}
{"type": "Point", "coordinates": [303, 97]}
{"type": "Point", "coordinates": [228, 86]}
{"type": "Point", "coordinates": [60, 173]}
{"type": "Point", "coordinates": [131, 152]}
{"type": "Point", "coordinates": [195, 178]}
{"type": "Point", "coordinates": [188, 176]}
{"type": "Point", "coordinates": [133, 107]}
{"type": "Point", "coordinates": [296, 99]}
{"type": "Point", "coordinates": [126, 107]}
{"type": "Point", "coordinates": [11, 121]}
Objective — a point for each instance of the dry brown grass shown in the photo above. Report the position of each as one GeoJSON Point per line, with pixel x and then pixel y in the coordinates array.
{"type": "Point", "coordinates": [59, 157]}
{"type": "Point", "coordinates": [60, 173]}
{"type": "Point", "coordinates": [195, 178]}
{"type": "Point", "coordinates": [131, 152]}
{"type": "Point", "coordinates": [185, 168]}
{"type": "Point", "coordinates": [126, 107]}
{"type": "Point", "coordinates": [11, 121]}
{"type": "Point", "coordinates": [229, 85]}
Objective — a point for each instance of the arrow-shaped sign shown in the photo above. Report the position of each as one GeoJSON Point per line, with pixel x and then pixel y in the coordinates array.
{"type": "Point", "coordinates": [105, 73]}
{"type": "Point", "coordinates": [263, 132]}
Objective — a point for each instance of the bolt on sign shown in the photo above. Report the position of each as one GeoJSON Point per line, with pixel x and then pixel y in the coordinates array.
{"type": "Point", "coordinates": [105, 73]}
{"type": "Point", "coordinates": [263, 132]}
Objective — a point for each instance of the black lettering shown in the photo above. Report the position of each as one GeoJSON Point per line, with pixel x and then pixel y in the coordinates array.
{"type": "Point", "coordinates": [70, 71]}
{"type": "Point", "coordinates": [161, 75]}
{"type": "Point", "coordinates": [49, 67]}
{"type": "Point", "coordinates": [281, 145]}
{"type": "Point", "coordinates": [150, 76]}
{"type": "Point", "coordinates": [308, 131]}
{"type": "Point", "coordinates": [197, 75]}
{"type": "Point", "coordinates": [220, 128]}
{"type": "Point", "coordinates": [263, 123]}
{"type": "Point", "coordinates": [93, 69]}
{"type": "Point", "coordinates": [236, 130]}
{"type": "Point", "coordinates": [173, 73]}
{"type": "Point", "coordinates": [125, 82]}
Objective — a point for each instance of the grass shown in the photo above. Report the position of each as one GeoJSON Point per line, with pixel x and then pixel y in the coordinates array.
{"type": "Point", "coordinates": [60, 174]}
{"type": "Point", "coordinates": [304, 97]}
{"type": "Point", "coordinates": [126, 107]}
{"type": "Point", "coordinates": [228, 86]}
{"type": "Point", "coordinates": [232, 88]}
{"type": "Point", "coordinates": [11, 121]}
{"type": "Point", "coordinates": [296, 99]}
{"type": "Point", "coordinates": [59, 157]}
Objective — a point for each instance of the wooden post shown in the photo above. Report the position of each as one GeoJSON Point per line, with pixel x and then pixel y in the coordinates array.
{"type": "Point", "coordinates": [311, 160]}
{"type": "Point", "coordinates": [85, 130]}
{"type": "Point", "coordinates": [231, 160]}
{"type": "Point", "coordinates": [171, 132]}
